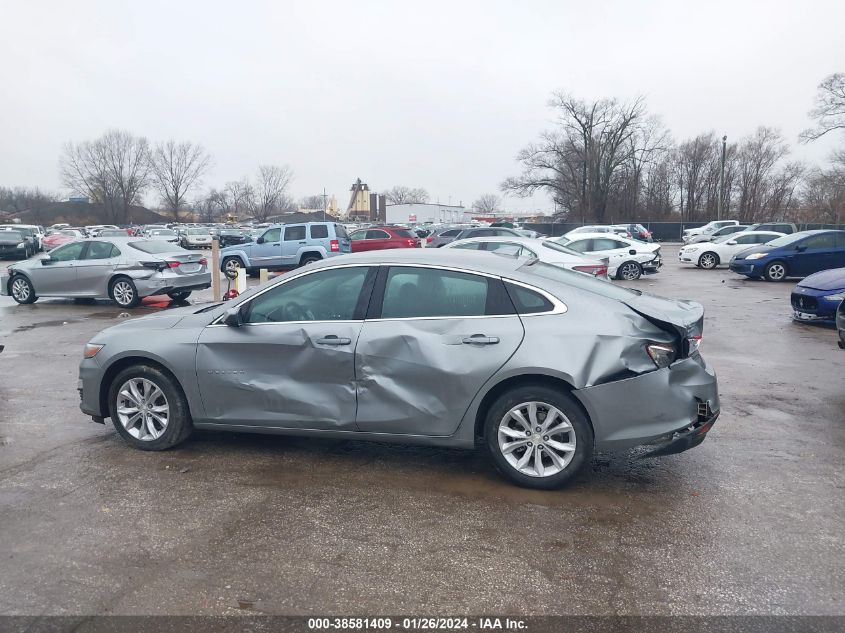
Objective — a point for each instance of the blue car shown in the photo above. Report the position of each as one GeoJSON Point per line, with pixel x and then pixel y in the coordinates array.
{"type": "Point", "coordinates": [797, 255]}
{"type": "Point", "coordinates": [818, 296]}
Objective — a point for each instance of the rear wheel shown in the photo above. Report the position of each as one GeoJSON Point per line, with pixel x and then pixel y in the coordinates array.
{"type": "Point", "coordinates": [21, 290]}
{"type": "Point", "coordinates": [708, 260]}
{"type": "Point", "coordinates": [776, 271]}
{"type": "Point", "coordinates": [148, 408]}
{"type": "Point", "coordinates": [309, 258]}
{"type": "Point", "coordinates": [124, 293]}
{"type": "Point", "coordinates": [538, 437]}
{"type": "Point", "coordinates": [629, 271]}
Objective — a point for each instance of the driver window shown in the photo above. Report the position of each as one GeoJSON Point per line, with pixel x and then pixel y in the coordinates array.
{"type": "Point", "coordinates": [67, 253]}
{"type": "Point", "coordinates": [325, 296]}
{"type": "Point", "coordinates": [272, 235]}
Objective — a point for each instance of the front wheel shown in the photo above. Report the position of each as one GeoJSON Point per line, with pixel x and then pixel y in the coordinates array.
{"type": "Point", "coordinates": [708, 260]}
{"type": "Point", "coordinates": [148, 408]}
{"type": "Point", "coordinates": [538, 437]}
{"type": "Point", "coordinates": [21, 290]}
{"type": "Point", "coordinates": [124, 293]}
{"type": "Point", "coordinates": [629, 271]}
{"type": "Point", "coordinates": [776, 271]}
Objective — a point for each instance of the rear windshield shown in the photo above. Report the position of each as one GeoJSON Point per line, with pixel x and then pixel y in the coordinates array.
{"type": "Point", "coordinates": [197, 232]}
{"type": "Point", "coordinates": [560, 248]}
{"type": "Point", "coordinates": [167, 232]}
{"type": "Point", "coordinates": [577, 280]}
{"type": "Point", "coordinates": [153, 247]}
{"type": "Point", "coordinates": [403, 233]}
{"type": "Point", "coordinates": [340, 231]}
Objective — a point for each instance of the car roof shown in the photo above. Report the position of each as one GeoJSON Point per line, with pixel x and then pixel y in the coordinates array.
{"type": "Point", "coordinates": [477, 261]}
{"type": "Point", "coordinates": [603, 236]}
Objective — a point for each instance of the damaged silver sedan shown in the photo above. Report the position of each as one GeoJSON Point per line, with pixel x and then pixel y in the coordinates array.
{"type": "Point", "coordinates": [536, 364]}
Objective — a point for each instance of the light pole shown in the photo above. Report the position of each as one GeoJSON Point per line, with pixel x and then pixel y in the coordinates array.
{"type": "Point", "coordinates": [721, 180]}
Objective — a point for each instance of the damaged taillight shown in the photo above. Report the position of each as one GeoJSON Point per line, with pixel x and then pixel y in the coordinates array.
{"type": "Point", "coordinates": [173, 264]}
{"type": "Point", "coordinates": [693, 345]}
{"type": "Point", "coordinates": [598, 271]}
{"type": "Point", "coordinates": [203, 262]}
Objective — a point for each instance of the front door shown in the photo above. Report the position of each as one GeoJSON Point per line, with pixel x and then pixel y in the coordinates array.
{"type": "Point", "coordinates": [438, 337]}
{"type": "Point", "coordinates": [57, 274]}
{"type": "Point", "coordinates": [94, 270]}
{"type": "Point", "coordinates": [292, 362]}
{"type": "Point", "coordinates": [268, 254]}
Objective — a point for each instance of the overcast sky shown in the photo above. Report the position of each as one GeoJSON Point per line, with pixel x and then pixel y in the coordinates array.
{"type": "Point", "coordinates": [440, 95]}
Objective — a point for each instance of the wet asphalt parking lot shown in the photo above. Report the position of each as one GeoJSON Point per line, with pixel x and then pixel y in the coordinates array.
{"type": "Point", "coordinates": [750, 522]}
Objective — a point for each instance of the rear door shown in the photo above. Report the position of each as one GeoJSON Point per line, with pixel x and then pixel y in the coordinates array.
{"type": "Point", "coordinates": [838, 255]}
{"type": "Point", "coordinates": [433, 337]}
{"type": "Point", "coordinates": [817, 253]}
{"type": "Point", "coordinates": [94, 270]}
{"type": "Point", "coordinates": [292, 242]}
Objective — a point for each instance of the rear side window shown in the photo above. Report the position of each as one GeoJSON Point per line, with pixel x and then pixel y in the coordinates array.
{"type": "Point", "coordinates": [374, 234]}
{"type": "Point", "coordinates": [747, 239]}
{"type": "Point", "coordinates": [319, 231]}
{"type": "Point", "coordinates": [432, 292]}
{"type": "Point", "coordinates": [294, 233]}
{"type": "Point", "coordinates": [527, 301]}
{"type": "Point", "coordinates": [451, 233]}
{"type": "Point", "coordinates": [605, 244]}
{"type": "Point", "coordinates": [839, 238]}
{"type": "Point", "coordinates": [403, 233]}
{"type": "Point", "coordinates": [582, 246]}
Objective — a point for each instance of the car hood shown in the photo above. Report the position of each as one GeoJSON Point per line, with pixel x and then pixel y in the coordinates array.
{"type": "Point", "coordinates": [163, 320]}
{"type": "Point", "coordinates": [7, 239]}
{"type": "Point", "coordinates": [686, 317]}
{"type": "Point", "coordinates": [34, 262]}
{"type": "Point", "coordinates": [833, 279]}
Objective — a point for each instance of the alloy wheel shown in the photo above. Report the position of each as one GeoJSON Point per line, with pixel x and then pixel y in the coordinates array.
{"type": "Point", "coordinates": [708, 260]}
{"type": "Point", "coordinates": [536, 439]}
{"type": "Point", "coordinates": [142, 409]}
{"type": "Point", "coordinates": [20, 290]}
{"type": "Point", "coordinates": [629, 271]}
{"type": "Point", "coordinates": [123, 293]}
{"type": "Point", "coordinates": [777, 271]}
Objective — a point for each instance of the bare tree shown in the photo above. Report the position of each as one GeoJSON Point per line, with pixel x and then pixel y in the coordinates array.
{"type": "Point", "coordinates": [757, 160]}
{"type": "Point", "coordinates": [576, 163]}
{"type": "Point", "coordinates": [829, 111]}
{"type": "Point", "coordinates": [128, 168]}
{"type": "Point", "coordinates": [19, 200]}
{"type": "Point", "coordinates": [406, 195]}
{"type": "Point", "coordinates": [312, 203]}
{"type": "Point", "coordinates": [824, 194]}
{"type": "Point", "coordinates": [176, 169]}
{"type": "Point", "coordinates": [240, 198]}
{"type": "Point", "coordinates": [692, 161]}
{"type": "Point", "coordinates": [487, 203]}
{"type": "Point", "coordinates": [271, 191]}
{"type": "Point", "coordinates": [85, 171]}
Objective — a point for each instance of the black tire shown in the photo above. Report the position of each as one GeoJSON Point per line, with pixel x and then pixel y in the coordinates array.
{"type": "Point", "coordinates": [708, 260]}
{"type": "Point", "coordinates": [179, 295]}
{"type": "Point", "coordinates": [232, 262]}
{"type": "Point", "coordinates": [26, 293]}
{"type": "Point", "coordinates": [309, 258]}
{"type": "Point", "coordinates": [776, 271]}
{"type": "Point", "coordinates": [576, 416]}
{"type": "Point", "coordinates": [124, 293]}
{"type": "Point", "coordinates": [635, 268]}
{"type": "Point", "coordinates": [179, 424]}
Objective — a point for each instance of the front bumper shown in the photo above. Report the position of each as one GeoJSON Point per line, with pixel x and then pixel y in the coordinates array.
{"type": "Point", "coordinates": [744, 267]}
{"type": "Point", "coordinates": [651, 407]}
{"type": "Point", "coordinates": [88, 386]}
{"type": "Point", "coordinates": [4, 283]}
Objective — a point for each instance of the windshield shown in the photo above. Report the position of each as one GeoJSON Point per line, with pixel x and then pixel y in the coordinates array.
{"type": "Point", "coordinates": [578, 280]}
{"type": "Point", "coordinates": [786, 240]}
{"type": "Point", "coordinates": [562, 240]}
{"type": "Point", "coordinates": [12, 235]}
{"type": "Point", "coordinates": [153, 247]}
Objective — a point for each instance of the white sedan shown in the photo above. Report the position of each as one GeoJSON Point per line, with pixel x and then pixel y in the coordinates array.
{"type": "Point", "coordinates": [722, 249]}
{"type": "Point", "coordinates": [547, 251]}
{"type": "Point", "coordinates": [627, 258]}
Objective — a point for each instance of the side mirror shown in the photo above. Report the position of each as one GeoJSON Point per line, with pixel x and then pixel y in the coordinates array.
{"type": "Point", "coordinates": [47, 260]}
{"type": "Point", "coordinates": [260, 240]}
{"type": "Point", "coordinates": [632, 252]}
{"type": "Point", "coordinates": [731, 242]}
{"type": "Point", "coordinates": [801, 248]}
{"type": "Point", "coordinates": [233, 317]}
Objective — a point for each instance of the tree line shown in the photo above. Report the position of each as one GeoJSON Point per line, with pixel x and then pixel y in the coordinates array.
{"type": "Point", "coordinates": [612, 161]}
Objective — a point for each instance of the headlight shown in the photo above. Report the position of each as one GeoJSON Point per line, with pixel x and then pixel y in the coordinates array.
{"type": "Point", "coordinates": [839, 296]}
{"type": "Point", "coordinates": [663, 354]}
{"type": "Point", "coordinates": [690, 249]}
{"type": "Point", "coordinates": [756, 256]}
{"type": "Point", "coordinates": [91, 350]}
{"type": "Point", "coordinates": [21, 245]}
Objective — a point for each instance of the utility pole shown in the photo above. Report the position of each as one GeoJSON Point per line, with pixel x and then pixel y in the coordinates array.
{"type": "Point", "coordinates": [721, 181]}
{"type": "Point", "coordinates": [325, 203]}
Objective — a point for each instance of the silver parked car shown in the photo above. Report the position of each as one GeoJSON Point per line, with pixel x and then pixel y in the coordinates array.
{"type": "Point", "coordinates": [124, 269]}
{"type": "Point", "coordinates": [533, 362]}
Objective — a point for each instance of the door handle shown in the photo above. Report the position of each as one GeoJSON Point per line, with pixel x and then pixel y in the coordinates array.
{"type": "Point", "coordinates": [331, 339]}
{"type": "Point", "coordinates": [304, 242]}
{"type": "Point", "coordinates": [480, 339]}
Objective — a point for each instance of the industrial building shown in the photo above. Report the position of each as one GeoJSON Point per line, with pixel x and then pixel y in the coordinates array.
{"type": "Point", "coordinates": [425, 212]}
